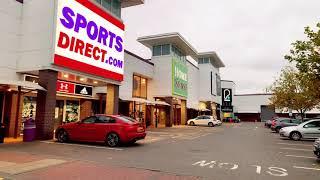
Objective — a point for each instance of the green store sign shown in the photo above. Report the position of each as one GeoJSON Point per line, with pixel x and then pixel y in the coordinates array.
{"type": "Point", "coordinates": [179, 78]}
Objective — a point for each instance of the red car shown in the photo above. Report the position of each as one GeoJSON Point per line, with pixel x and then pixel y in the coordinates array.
{"type": "Point", "coordinates": [111, 129]}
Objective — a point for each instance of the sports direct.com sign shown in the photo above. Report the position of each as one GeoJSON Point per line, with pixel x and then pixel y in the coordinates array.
{"type": "Point", "coordinates": [89, 40]}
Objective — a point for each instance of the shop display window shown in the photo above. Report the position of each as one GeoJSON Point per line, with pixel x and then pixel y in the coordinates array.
{"type": "Point", "coordinates": [139, 87]}
{"type": "Point", "coordinates": [29, 107]}
{"type": "Point", "coordinates": [72, 111]}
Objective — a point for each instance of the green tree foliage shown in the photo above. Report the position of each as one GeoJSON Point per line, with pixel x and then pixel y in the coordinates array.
{"type": "Point", "coordinates": [306, 56]}
{"type": "Point", "coordinates": [294, 90]}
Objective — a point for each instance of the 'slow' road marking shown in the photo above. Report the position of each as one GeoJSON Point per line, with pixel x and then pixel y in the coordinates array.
{"type": "Point", "coordinates": [295, 144]}
{"type": "Point", "coordinates": [307, 157]}
{"type": "Point", "coordinates": [307, 168]}
{"type": "Point", "coordinates": [296, 149]}
{"type": "Point", "coordinates": [81, 145]}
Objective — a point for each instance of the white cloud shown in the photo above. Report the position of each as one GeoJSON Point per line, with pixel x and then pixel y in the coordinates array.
{"type": "Point", "coordinates": [250, 36]}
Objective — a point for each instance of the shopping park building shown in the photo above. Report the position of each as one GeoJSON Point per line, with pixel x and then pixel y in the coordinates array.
{"type": "Point", "coordinates": [63, 61]}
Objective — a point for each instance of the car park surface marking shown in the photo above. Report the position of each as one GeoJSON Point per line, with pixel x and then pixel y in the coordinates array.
{"type": "Point", "coordinates": [272, 170]}
{"type": "Point", "coordinates": [307, 168]}
{"type": "Point", "coordinates": [307, 157]}
{"type": "Point", "coordinates": [81, 145]}
{"type": "Point", "coordinates": [296, 149]}
{"type": "Point", "coordinates": [289, 144]}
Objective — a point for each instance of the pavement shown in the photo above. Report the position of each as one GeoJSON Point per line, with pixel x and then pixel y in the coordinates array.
{"type": "Point", "coordinates": [232, 151]}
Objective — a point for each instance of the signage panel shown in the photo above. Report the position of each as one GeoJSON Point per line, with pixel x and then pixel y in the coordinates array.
{"type": "Point", "coordinates": [65, 87]}
{"type": "Point", "coordinates": [88, 39]}
{"type": "Point", "coordinates": [83, 90]}
{"type": "Point", "coordinates": [179, 78]}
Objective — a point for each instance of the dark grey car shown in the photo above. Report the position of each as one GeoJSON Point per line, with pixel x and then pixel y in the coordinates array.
{"type": "Point", "coordinates": [284, 122]}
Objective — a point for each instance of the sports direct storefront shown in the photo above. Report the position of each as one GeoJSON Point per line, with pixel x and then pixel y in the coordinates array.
{"type": "Point", "coordinates": [85, 71]}
{"type": "Point", "coordinates": [89, 40]}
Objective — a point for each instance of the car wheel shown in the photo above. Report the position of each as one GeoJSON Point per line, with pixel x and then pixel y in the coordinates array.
{"type": "Point", "coordinates": [210, 124]}
{"type": "Point", "coordinates": [278, 129]}
{"type": "Point", "coordinates": [191, 123]}
{"type": "Point", "coordinates": [62, 136]}
{"type": "Point", "coordinates": [112, 140]}
{"type": "Point", "coordinates": [296, 136]}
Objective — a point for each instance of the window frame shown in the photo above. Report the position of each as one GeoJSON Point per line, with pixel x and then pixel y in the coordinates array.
{"type": "Point", "coordinates": [140, 83]}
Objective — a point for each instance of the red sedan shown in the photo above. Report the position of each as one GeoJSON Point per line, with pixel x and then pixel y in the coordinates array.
{"type": "Point", "coordinates": [111, 129]}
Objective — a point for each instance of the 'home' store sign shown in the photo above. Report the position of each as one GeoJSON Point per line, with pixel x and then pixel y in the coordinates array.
{"type": "Point", "coordinates": [89, 40]}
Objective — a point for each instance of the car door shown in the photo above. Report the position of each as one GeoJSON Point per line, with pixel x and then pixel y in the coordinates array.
{"type": "Point", "coordinates": [85, 130]}
{"type": "Point", "coordinates": [312, 129]}
{"type": "Point", "coordinates": [197, 120]}
{"type": "Point", "coordinates": [206, 120]}
{"type": "Point", "coordinates": [103, 127]}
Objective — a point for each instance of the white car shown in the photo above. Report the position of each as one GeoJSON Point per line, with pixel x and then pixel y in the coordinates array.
{"type": "Point", "coordinates": [204, 121]}
{"type": "Point", "coordinates": [307, 130]}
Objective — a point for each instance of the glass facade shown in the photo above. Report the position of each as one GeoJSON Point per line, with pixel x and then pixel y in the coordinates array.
{"type": "Point", "coordinates": [161, 50]}
{"type": "Point", "coordinates": [139, 87]}
{"type": "Point", "coordinates": [204, 60]}
{"type": "Point", "coordinates": [113, 6]}
{"type": "Point", "coordinates": [178, 54]}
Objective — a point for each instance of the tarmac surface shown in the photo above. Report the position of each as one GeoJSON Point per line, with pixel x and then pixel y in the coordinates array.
{"type": "Point", "coordinates": [242, 151]}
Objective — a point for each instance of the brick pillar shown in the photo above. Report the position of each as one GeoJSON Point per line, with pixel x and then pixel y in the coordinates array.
{"type": "Point", "coordinates": [13, 99]}
{"type": "Point", "coordinates": [46, 103]}
{"type": "Point", "coordinates": [169, 119]}
{"type": "Point", "coordinates": [183, 112]}
{"type": "Point", "coordinates": [85, 108]}
{"type": "Point", "coordinates": [112, 101]}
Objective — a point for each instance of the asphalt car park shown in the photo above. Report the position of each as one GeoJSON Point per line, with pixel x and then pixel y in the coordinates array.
{"type": "Point", "coordinates": [231, 151]}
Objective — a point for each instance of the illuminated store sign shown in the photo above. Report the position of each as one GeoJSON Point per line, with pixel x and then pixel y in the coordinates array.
{"type": "Point", "coordinates": [88, 39]}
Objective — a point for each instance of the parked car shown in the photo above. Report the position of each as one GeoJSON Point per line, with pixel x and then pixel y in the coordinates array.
{"type": "Point", "coordinates": [112, 130]}
{"type": "Point", "coordinates": [268, 123]}
{"type": "Point", "coordinates": [306, 130]}
{"type": "Point", "coordinates": [204, 120]}
{"type": "Point", "coordinates": [284, 122]}
{"type": "Point", "coordinates": [232, 120]}
{"type": "Point", "coordinates": [317, 148]}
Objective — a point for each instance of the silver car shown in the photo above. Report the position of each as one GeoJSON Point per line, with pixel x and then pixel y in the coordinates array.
{"type": "Point", "coordinates": [306, 130]}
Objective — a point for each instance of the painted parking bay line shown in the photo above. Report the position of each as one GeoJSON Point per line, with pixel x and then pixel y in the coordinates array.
{"type": "Point", "coordinates": [297, 149]}
{"type": "Point", "coordinates": [81, 145]}
{"type": "Point", "coordinates": [289, 144]}
{"type": "Point", "coordinates": [306, 157]}
{"type": "Point", "coordinates": [306, 168]}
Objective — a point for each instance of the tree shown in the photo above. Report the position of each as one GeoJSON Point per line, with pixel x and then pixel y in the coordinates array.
{"type": "Point", "coordinates": [294, 90]}
{"type": "Point", "coordinates": [306, 56]}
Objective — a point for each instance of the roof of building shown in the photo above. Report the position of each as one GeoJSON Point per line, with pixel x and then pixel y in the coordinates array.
{"type": "Point", "coordinates": [128, 3]}
{"type": "Point", "coordinates": [214, 58]}
{"type": "Point", "coordinates": [229, 81]}
{"type": "Point", "coordinates": [172, 38]}
{"type": "Point", "coordinates": [257, 94]}
{"type": "Point", "coordinates": [138, 57]}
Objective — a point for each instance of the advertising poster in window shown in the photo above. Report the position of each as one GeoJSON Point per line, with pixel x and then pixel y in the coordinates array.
{"type": "Point", "coordinates": [179, 78]}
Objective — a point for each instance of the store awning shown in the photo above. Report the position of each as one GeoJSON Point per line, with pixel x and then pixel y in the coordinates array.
{"type": "Point", "coordinates": [161, 103]}
{"type": "Point", "coordinates": [145, 101]}
{"type": "Point", "coordinates": [23, 84]}
{"type": "Point", "coordinates": [204, 110]}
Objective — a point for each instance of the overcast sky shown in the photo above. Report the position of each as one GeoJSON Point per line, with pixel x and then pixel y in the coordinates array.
{"type": "Point", "coordinates": [250, 36]}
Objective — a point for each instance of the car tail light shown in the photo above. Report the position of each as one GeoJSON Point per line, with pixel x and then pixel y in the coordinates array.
{"type": "Point", "coordinates": [140, 129]}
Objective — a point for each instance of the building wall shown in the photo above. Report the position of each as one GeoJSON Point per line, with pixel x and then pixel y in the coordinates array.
{"type": "Point", "coordinates": [193, 86]}
{"type": "Point", "coordinates": [161, 85]}
{"type": "Point", "coordinates": [132, 66]}
{"type": "Point", "coordinates": [205, 82]}
{"type": "Point", "coordinates": [250, 103]}
{"type": "Point", "coordinates": [38, 24]}
{"type": "Point", "coordinates": [10, 17]}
